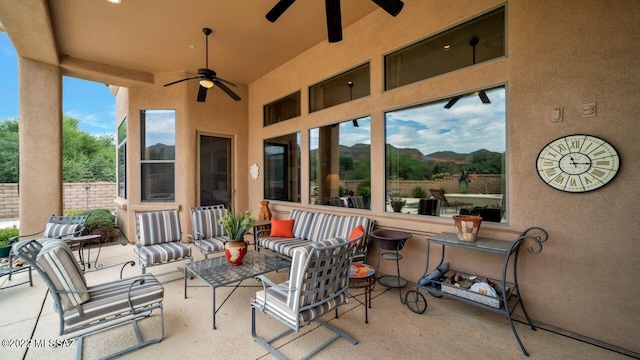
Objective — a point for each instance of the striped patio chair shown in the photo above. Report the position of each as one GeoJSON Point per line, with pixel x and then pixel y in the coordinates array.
{"type": "Point", "coordinates": [84, 309]}
{"type": "Point", "coordinates": [158, 236]}
{"type": "Point", "coordinates": [318, 283]}
{"type": "Point", "coordinates": [208, 235]}
{"type": "Point", "coordinates": [60, 227]}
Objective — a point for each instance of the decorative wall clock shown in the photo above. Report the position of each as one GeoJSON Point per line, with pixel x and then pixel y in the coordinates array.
{"type": "Point", "coordinates": [578, 163]}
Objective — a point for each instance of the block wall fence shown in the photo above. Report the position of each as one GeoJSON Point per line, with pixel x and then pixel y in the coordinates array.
{"type": "Point", "coordinates": [84, 196]}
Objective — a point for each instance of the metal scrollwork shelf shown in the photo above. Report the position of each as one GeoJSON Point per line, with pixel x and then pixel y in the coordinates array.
{"type": "Point", "coordinates": [509, 297]}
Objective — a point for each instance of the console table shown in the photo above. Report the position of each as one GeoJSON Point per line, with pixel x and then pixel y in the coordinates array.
{"type": "Point", "coordinates": [509, 298]}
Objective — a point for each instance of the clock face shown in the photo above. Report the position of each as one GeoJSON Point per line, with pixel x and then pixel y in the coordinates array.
{"type": "Point", "coordinates": [578, 163]}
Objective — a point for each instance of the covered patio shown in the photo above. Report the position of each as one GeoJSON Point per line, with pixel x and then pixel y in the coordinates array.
{"type": "Point", "coordinates": [448, 330]}
{"type": "Point", "coordinates": [557, 68]}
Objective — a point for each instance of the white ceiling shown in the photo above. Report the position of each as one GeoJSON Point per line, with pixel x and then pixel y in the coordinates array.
{"type": "Point", "coordinates": [155, 35]}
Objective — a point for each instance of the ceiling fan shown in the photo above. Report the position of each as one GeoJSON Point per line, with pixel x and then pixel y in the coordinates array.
{"type": "Point", "coordinates": [481, 94]}
{"type": "Point", "coordinates": [334, 18]}
{"type": "Point", "coordinates": [208, 78]}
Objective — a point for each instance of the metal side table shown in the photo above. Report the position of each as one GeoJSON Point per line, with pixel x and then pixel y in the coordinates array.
{"type": "Point", "coordinates": [390, 242]}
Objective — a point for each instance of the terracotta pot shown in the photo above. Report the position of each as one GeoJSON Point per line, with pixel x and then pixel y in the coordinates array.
{"type": "Point", "coordinates": [467, 226]}
{"type": "Point", "coordinates": [235, 250]}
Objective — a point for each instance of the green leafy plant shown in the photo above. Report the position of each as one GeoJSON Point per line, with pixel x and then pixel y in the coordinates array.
{"type": "Point", "coordinates": [397, 203]}
{"type": "Point", "coordinates": [236, 224]}
{"type": "Point", "coordinates": [6, 234]}
{"type": "Point", "coordinates": [100, 222]}
{"type": "Point", "coordinates": [418, 192]}
{"type": "Point", "coordinates": [364, 188]}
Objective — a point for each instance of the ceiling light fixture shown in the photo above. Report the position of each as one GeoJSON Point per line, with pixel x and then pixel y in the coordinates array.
{"type": "Point", "coordinates": [206, 83]}
{"type": "Point", "coordinates": [447, 47]}
{"type": "Point", "coordinates": [115, 1]}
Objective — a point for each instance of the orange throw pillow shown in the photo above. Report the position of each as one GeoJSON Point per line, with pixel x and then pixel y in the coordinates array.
{"type": "Point", "coordinates": [356, 232]}
{"type": "Point", "coordinates": [281, 228]}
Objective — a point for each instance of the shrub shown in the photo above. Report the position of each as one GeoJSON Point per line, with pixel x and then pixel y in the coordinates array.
{"type": "Point", "coordinates": [418, 192]}
{"type": "Point", "coordinates": [99, 219]}
{"type": "Point", "coordinates": [364, 188]}
{"type": "Point", "coordinates": [6, 234]}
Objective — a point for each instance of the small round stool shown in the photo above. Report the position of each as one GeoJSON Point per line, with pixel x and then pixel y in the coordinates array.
{"type": "Point", "coordinates": [363, 276]}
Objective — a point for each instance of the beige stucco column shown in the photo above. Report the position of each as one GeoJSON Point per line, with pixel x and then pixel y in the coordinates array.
{"type": "Point", "coordinates": [40, 143]}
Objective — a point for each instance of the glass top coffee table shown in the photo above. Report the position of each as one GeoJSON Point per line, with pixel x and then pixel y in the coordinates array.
{"type": "Point", "coordinates": [217, 272]}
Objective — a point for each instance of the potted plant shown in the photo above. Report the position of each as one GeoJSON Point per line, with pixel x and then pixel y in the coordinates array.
{"type": "Point", "coordinates": [235, 226]}
{"type": "Point", "coordinates": [6, 236]}
{"type": "Point", "coordinates": [397, 203]}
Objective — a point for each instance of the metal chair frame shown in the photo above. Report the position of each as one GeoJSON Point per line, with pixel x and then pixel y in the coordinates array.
{"type": "Point", "coordinates": [196, 231]}
{"type": "Point", "coordinates": [28, 251]}
{"type": "Point", "coordinates": [322, 265]}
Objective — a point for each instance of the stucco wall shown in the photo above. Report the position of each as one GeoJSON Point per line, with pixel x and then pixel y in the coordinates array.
{"type": "Point", "coordinates": [560, 53]}
{"type": "Point", "coordinates": [219, 115]}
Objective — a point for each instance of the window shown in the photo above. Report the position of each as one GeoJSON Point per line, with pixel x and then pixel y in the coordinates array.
{"type": "Point", "coordinates": [340, 164]}
{"type": "Point", "coordinates": [283, 109]}
{"type": "Point", "coordinates": [472, 42]}
{"type": "Point", "coordinates": [282, 168]}
{"type": "Point", "coordinates": [350, 85]}
{"type": "Point", "coordinates": [451, 150]}
{"type": "Point", "coordinates": [122, 159]}
{"type": "Point", "coordinates": [157, 131]}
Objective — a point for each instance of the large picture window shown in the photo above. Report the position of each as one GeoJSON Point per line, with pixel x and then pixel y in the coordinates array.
{"type": "Point", "coordinates": [122, 159]}
{"type": "Point", "coordinates": [158, 144]}
{"type": "Point", "coordinates": [282, 168]}
{"type": "Point", "coordinates": [340, 164]}
{"type": "Point", "coordinates": [448, 157]}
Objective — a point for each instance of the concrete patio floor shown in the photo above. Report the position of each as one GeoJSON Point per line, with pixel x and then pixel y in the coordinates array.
{"type": "Point", "coordinates": [447, 330]}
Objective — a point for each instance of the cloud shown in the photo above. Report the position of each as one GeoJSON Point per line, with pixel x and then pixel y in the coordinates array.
{"type": "Point", "coordinates": [468, 126]}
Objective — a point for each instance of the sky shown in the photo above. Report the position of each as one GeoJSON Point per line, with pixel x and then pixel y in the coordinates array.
{"type": "Point", "coordinates": [90, 102]}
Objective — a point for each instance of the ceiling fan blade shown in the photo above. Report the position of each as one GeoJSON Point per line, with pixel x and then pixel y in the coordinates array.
{"type": "Point", "coordinates": [181, 80]}
{"type": "Point", "coordinates": [452, 102]}
{"type": "Point", "coordinates": [227, 90]}
{"type": "Point", "coordinates": [226, 81]}
{"type": "Point", "coordinates": [483, 97]}
{"type": "Point", "coordinates": [278, 9]}
{"type": "Point", "coordinates": [202, 94]}
{"type": "Point", "coordinates": [393, 7]}
{"type": "Point", "coordinates": [334, 20]}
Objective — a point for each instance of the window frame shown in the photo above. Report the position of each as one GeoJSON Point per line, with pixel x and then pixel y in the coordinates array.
{"type": "Point", "coordinates": [143, 161]}
{"type": "Point", "coordinates": [121, 180]}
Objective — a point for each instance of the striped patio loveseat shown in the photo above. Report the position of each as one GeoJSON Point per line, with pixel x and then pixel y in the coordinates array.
{"type": "Point", "coordinates": [310, 227]}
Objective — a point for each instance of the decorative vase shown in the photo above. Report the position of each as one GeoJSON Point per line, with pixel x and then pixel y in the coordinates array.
{"type": "Point", "coordinates": [265, 213]}
{"type": "Point", "coordinates": [235, 250]}
{"type": "Point", "coordinates": [467, 226]}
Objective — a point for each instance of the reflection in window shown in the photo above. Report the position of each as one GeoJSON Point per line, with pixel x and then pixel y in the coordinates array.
{"type": "Point", "coordinates": [448, 157]}
{"type": "Point", "coordinates": [122, 159]}
{"type": "Point", "coordinates": [340, 164]}
{"type": "Point", "coordinates": [282, 168]}
{"type": "Point", "coordinates": [282, 109]}
{"type": "Point", "coordinates": [350, 85]}
{"type": "Point", "coordinates": [157, 133]}
{"type": "Point", "coordinates": [470, 43]}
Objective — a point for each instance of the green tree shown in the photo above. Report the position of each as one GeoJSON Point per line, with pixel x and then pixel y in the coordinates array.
{"type": "Point", "coordinates": [9, 151]}
{"type": "Point", "coordinates": [85, 158]}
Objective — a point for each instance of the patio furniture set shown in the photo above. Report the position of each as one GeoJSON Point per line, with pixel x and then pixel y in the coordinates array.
{"type": "Point", "coordinates": [323, 251]}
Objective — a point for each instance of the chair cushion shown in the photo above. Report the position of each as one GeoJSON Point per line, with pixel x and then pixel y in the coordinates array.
{"type": "Point", "coordinates": [282, 228]}
{"type": "Point", "coordinates": [111, 299]}
{"type": "Point", "coordinates": [277, 304]}
{"type": "Point", "coordinates": [283, 246]}
{"type": "Point", "coordinates": [346, 224]}
{"type": "Point", "coordinates": [57, 261]}
{"type": "Point", "coordinates": [323, 227]}
{"type": "Point", "coordinates": [160, 253]}
{"type": "Point", "coordinates": [211, 245]}
{"type": "Point", "coordinates": [58, 231]}
{"type": "Point", "coordinates": [302, 223]}
{"type": "Point", "coordinates": [205, 223]}
{"type": "Point", "coordinates": [158, 227]}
